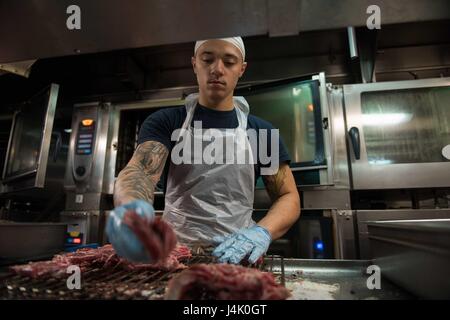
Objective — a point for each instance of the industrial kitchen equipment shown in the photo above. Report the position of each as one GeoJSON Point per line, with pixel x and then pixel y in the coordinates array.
{"type": "Point", "coordinates": [35, 152]}
{"type": "Point", "coordinates": [86, 179]}
{"type": "Point", "coordinates": [399, 133]}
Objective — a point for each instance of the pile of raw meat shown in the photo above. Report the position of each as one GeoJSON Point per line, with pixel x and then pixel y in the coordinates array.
{"type": "Point", "coordinates": [224, 282]}
{"type": "Point", "coordinates": [157, 237]}
{"type": "Point", "coordinates": [102, 258]}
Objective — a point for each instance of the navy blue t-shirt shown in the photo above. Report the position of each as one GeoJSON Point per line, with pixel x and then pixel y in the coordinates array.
{"type": "Point", "coordinates": [159, 127]}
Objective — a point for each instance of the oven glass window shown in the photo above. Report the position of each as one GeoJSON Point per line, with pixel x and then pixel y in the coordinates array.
{"type": "Point", "coordinates": [27, 137]}
{"type": "Point", "coordinates": [406, 126]}
{"type": "Point", "coordinates": [293, 109]}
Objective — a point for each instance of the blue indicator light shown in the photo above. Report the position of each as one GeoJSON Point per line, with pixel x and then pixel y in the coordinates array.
{"type": "Point", "coordinates": [319, 245]}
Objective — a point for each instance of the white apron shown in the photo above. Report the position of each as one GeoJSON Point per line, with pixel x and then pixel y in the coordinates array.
{"type": "Point", "coordinates": [207, 200]}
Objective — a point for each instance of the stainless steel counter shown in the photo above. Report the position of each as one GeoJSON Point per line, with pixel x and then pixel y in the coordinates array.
{"type": "Point", "coordinates": [415, 254]}
{"type": "Point", "coordinates": [333, 280]}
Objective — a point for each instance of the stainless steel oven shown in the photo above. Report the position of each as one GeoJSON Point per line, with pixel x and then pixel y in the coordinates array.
{"type": "Point", "coordinates": [399, 133]}
{"type": "Point", "coordinates": [35, 151]}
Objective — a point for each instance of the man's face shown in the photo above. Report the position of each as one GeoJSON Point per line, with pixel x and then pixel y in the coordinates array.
{"type": "Point", "coordinates": [218, 65]}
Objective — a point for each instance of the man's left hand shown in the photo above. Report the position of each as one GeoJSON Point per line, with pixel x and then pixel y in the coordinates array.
{"type": "Point", "coordinates": [253, 241]}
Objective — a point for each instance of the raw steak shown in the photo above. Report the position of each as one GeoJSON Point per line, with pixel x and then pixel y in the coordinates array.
{"type": "Point", "coordinates": [224, 282]}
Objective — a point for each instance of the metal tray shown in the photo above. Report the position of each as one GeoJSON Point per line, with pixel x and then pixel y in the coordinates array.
{"type": "Point", "coordinates": [315, 279]}
{"type": "Point", "coordinates": [414, 254]}
{"type": "Point", "coordinates": [28, 241]}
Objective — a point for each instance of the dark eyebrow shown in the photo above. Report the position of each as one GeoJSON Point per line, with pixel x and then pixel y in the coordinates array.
{"type": "Point", "coordinates": [229, 55]}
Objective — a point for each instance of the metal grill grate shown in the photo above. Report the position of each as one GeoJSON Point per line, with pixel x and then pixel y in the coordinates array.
{"type": "Point", "coordinates": [108, 284]}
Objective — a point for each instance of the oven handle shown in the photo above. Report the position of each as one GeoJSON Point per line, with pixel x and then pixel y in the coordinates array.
{"type": "Point", "coordinates": [356, 141]}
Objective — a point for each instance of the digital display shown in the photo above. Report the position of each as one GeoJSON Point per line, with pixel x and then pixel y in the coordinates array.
{"type": "Point", "coordinates": [85, 137]}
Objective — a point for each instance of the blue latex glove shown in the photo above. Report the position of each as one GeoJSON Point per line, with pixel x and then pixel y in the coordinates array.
{"type": "Point", "coordinates": [253, 241]}
{"type": "Point", "coordinates": [124, 241]}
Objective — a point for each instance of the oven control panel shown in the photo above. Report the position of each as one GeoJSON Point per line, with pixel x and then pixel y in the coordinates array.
{"type": "Point", "coordinates": [85, 128]}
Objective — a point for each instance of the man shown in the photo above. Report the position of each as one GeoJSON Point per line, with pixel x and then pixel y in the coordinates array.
{"type": "Point", "coordinates": [206, 204]}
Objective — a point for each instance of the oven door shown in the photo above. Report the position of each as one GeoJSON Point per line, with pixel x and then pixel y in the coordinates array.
{"type": "Point", "coordinates": [399, 134]}
{"type": "Point", "coordinates": [298, 109]}
{"type": "Point", "coordinates": [30, 142]}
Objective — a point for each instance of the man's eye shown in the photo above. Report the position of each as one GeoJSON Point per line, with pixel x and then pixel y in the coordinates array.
{"type": "Point", "coordinates": [207, 60]}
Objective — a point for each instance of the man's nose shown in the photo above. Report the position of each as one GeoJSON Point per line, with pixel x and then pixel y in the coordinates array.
{"type": "Point", "coordinates": [218, 67]}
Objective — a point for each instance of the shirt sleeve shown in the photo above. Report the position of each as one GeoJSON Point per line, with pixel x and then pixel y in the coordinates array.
{"type": "Point", "coordinates": [159, 127]}
{"type": "Point", "coordinates": [283, 153]}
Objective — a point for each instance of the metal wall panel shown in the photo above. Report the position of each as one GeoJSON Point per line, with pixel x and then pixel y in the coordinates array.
{"type": "Point", "coordinates": [110, 25]}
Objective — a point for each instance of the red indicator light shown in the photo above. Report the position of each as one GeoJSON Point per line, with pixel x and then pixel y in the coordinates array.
{"type": "Point", "coordinates": [77, 240]}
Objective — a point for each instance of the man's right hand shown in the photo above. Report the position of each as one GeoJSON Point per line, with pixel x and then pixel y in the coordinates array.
{"type": "Point", "coordinates": [124, 241]}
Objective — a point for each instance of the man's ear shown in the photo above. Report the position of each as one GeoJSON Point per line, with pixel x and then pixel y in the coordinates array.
{"type": "Point", "coordinates": [243, 68]}
{"type": "Point", "coordinates": [194, 66]}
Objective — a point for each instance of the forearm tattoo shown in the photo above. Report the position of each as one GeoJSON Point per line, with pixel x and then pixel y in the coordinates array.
{"type": "Point", "coordinates": [139, 178]}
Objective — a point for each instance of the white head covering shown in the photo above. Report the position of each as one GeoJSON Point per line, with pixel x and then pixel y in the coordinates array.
{"type": "Point", "coordinates": [236, 41]}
